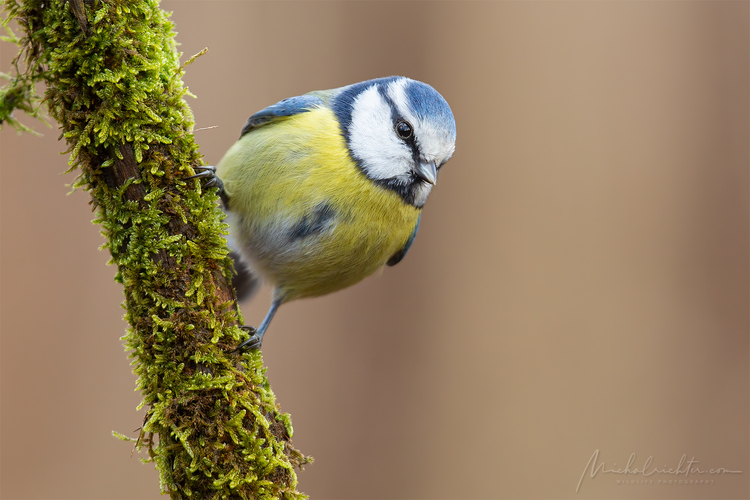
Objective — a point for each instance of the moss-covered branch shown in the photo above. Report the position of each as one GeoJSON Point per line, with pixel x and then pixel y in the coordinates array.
{"type": "Point", "coordinates": [114, 85]}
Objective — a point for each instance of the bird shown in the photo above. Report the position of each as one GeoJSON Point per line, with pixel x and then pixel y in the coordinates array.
{"type": "Point", "coordinates": [322, 190]}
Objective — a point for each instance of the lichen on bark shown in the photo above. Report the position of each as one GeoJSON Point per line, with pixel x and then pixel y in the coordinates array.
{"type": "Point", "coordinates": [113, 83]}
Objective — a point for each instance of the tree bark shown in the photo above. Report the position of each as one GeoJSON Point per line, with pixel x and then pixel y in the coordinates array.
{"type": "Point", "coordinates": [212, 426]}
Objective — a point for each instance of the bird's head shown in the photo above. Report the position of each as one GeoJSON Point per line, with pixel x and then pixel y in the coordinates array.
{"type": "Point", "coordinates": [399, 132]}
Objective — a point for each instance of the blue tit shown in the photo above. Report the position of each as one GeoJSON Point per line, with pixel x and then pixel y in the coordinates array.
{"type": "Point", "coordinates": [325, 188]}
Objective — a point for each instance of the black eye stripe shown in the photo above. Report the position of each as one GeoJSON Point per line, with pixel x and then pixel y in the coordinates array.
{"type": "Point", "coordinates": [397, 118]}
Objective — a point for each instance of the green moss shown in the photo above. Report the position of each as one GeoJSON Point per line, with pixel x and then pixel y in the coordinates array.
{"type": "Point", "coordinates": [213, 427]}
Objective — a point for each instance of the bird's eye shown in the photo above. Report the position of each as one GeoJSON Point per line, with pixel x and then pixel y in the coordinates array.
{"type": "Point", "coordinates": [403, 129]}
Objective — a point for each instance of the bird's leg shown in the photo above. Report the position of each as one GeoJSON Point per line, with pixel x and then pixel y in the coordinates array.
{"type": "Point", "coordinates": [208, 173]}
{"type": "Point", "coordinates": [256, 337]}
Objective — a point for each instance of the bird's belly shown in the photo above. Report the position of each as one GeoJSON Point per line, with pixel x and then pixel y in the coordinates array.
{"type": "Point", "coordinates": [329, 249]}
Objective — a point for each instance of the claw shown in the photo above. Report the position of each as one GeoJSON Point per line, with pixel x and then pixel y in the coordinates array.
{"type": "Point", "coordinates": [256, 337]}
{"type": "Point", "coordinates": [253, 342]}
{"type": "Point", "coordinates": [205, 171]}
{"type": "Point", "coordinates": [208, 173]}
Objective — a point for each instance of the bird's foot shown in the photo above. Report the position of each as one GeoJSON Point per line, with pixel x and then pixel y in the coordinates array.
{"type": "Point", "coordinates": [207, 174]}
{"type": "Point", "coordinates": [253, 342]}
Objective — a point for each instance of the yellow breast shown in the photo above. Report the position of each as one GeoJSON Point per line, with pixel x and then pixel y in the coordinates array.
{"type": "Point", "coordinates": [305, 216]}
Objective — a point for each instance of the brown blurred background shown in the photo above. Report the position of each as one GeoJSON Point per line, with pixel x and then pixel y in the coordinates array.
{"type": "Point", "coordinates": [580, 279]}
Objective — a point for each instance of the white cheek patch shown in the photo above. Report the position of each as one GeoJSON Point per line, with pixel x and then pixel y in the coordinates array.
{"type": "Point", "coordinates": [372, 139]}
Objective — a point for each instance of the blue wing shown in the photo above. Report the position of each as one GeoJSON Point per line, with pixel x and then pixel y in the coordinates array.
{"type": "Point", "coordinates": [396, 257]}
{"type": "Point", "coordinates": [287, 107]}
